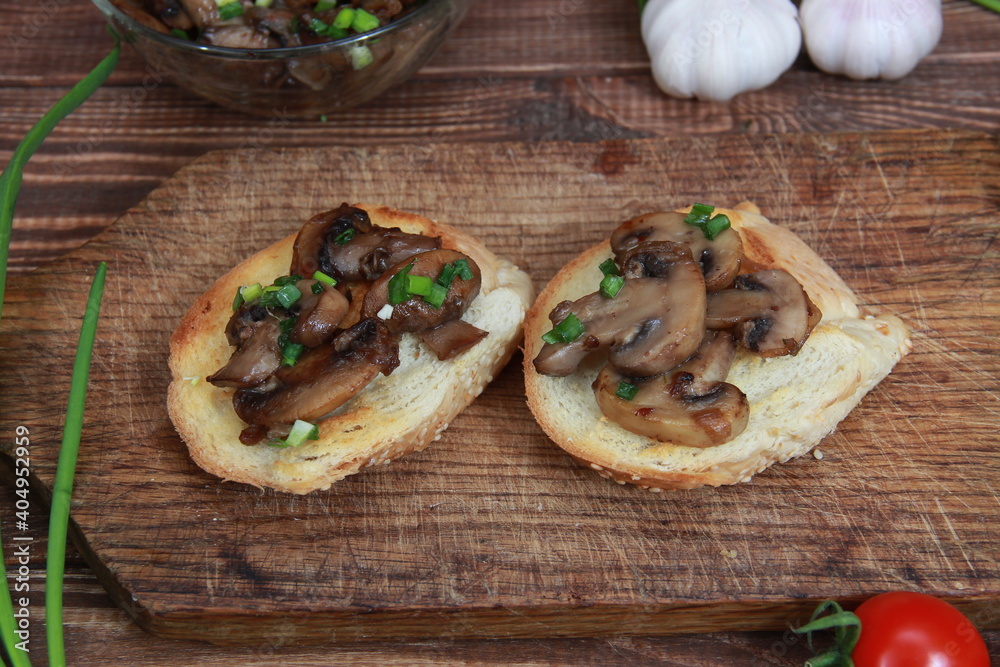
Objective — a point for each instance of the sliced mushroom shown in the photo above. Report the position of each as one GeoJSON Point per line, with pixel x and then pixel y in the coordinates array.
{"type": "Point", "coordinates": [451, 338]}
{"type": "Point", "coordinates": [318, 315]}
{"type": "Point", "coordinates": [257, 354]}
{"type": "Point", "coordinates": [415, 314]}
{"type": "Point", "coordinates": [203, 12]}
{"type": "Point", "coordinates": [238, 37]}
{"type": "Point", "coordinates": [654, 322]}
{"type": "Point", "coordinates": [692, 405]}
{"type": "Point", "coordinates": [769, 311]}
{"type": "Point", "coordinates": [719, 259]}
{"type": "Point", "coordinates": [324, 378]}
{"type": "Point", "coordinates": [345, 245]}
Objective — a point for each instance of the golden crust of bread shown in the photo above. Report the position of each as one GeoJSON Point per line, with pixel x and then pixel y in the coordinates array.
{"type": "Point", "coordinates": [394, 415]}
{"type": "Point", "coordinates": [790, 411]}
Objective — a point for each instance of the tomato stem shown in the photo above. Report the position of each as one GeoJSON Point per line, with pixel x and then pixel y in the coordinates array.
{"type": "Point", "coordinates": [847, 630]}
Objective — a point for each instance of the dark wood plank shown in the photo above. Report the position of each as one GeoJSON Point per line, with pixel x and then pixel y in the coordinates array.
{"type": "Point", "coordinates": [494, 531]}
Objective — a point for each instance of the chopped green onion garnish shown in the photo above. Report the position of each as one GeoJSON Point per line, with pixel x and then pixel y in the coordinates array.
{"type": "Point", "coordinates": [291, 352]}
{"type": "Point", "coordinates": [447, 275]}
{"type": "Point", "coordinates": [566, 331]}
{"type": "Point", "coordinates": [715, 226]}
{"type": "Point", "coordinates": [251, 292]}
{"type": "Point", "coordinates": [325, 279]}
{"type": "Point", "coordinates": [626, 390]}
{"type": "Point", "coordinates": [437, 295]}
{"type": "Point", "coordinates": [397, 286]}
{"type": "Point", "coordinates": [420, 285]}
{"type": "Point", "coordinates": [611, 285]}
{"type": "Point", "coordinates": [325, 6]}
{"type": "Point", "coordinates": [286, 280]}
{"type": "Point", "coordinates": [699, 214]}
{"type": "Point", "coordinates": [288, 295]}
{"type": "Point", "coordinates": [229, 9]}
{"type": "Point", "coordinates": [463, 270]}
{"type": "Point", "coordinates": [344, 18]}
{"type": "Point", "coordinates": [263, 3]}
{"type": "Point", "coordinates": [179, 34]}
{"type": "Point", "coordinates": [301, 431]}
{"type": "Point", "coordinates": [238, 299]}
{"type": "Point", "coordinates": [317, 288]}
{"type": "Point", "coordinates": [608, 267]}
{"type": "Point", "coordinates": [318, 27]}
{"type": "Point", "coordinates": [363, 21]}
{"type": "Point", "coordinates": [344, 236]}
{"type": "Point", "coordinates": [361, 56]}
{"type": "Point", "coordinates": [334, 32]}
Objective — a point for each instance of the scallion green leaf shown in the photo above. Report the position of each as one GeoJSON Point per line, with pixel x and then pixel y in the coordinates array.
{"type": "Point", "coordinates": [361, 56]}
{"type": "Point", "coordinates": [419, 285]}
{"type": "Point", "coordinates": [447, 275]}
{"type": "Point", "coordinates": [325, 6]}
{"type": "Point", "coordinates": [290, 353]}
{"type": "Point", "coordinates": [568, 330]}
{"type": "Point", "coordinates": [238, 300]}
{"type": "Point", "coordinates": [287, 280]}
{"type": "Point", "coordinates": [626, 390]}
{"type": "Point", "coordinates": [288, 295]}
{"type": "Point", "coordinates": [716, 226]}
{"type": "Point", "coordinates": [463, 270]}
{"type": "Point", "coordinates": [363, 21]}
{"type": "Point", "coordinates": [611, 285]}
{"type": "Point", "coordinates": [251, 292]}
{"type": "Point", "coordinates": [318, 27]}
{"type": "Point", "coordinates": [699, 214]}
{"type": "Point", "coordinates": [344, 19]}
{"type": "Point", "coordinates": [229, 9]}
{"type": "Point", "coordinates": [344, 236]}
{"type": "Point", "coordinates": [318, 288]}
{"type": "Point", "coordinates": [62, 488]}
{"type": "Point", "coordinates": [301, 431]}
{"type": "Point", "coordinates": [608, 267]}
{"type": "Point", "coordinates": [325, 279]}
{"type": "Point", "coordinates": [437, 295]}
{"type": "Point", "coordinates": [397, 286]}
{"type": "Point", "coordinates": [179, 34]}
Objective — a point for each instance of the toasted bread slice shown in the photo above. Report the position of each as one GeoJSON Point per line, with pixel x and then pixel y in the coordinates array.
{"type": "Point", "coordinates": [795, 401]}
{"type": "Point", "coordinates": [392, 416]}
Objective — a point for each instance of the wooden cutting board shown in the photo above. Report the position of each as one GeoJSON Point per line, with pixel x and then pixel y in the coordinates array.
{"type": "Point", "coordinates": [494, 531]}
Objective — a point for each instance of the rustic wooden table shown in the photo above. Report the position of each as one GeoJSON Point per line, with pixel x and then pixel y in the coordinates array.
{"type": "Point", "coordinates": [520, 71]}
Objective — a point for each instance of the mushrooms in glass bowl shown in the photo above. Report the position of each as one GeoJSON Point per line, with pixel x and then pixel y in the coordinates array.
{"type": "Point", "coordinates": [285, 58]}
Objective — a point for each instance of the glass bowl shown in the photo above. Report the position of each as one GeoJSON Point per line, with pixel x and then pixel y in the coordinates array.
{"type": "Point", "coordinates": [301, 81]}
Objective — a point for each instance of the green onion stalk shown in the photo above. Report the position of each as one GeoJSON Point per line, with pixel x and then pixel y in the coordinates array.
{"type": "Point", "coordinates": [62, 490]}
{"type": "Point", "coordinates": [10, 184]}
{"type": "Point", "coordinates": [989, 4]}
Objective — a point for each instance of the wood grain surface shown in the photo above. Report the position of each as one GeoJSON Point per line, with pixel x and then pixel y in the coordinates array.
{"type": "Point", "coordinates": [494, 532]}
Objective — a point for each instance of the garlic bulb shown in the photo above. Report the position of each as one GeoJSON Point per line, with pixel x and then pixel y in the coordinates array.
{"type": "Point", "coordinates": [715, 49]}
{"type": "Point", "coordinates": [870, 39]}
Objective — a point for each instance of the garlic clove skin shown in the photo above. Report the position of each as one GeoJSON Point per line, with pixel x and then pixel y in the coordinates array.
{"type": "Point", "coordinates": [716, 49]}
{"type": "Point", "coordinates": [870, 39]}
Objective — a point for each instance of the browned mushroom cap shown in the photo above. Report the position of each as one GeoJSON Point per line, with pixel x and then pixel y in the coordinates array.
{"type": "Point", "coordinates": [318, 315]}
{"type": "Point", "coordinates": [345, 245]}
{"type": "Point", "coordinates": [691, 405]}
{"type": "Point", "coordinates": [257, 354]}
{"type": "Point", "coordinates": [202, 12]}
{"type": "Point", "coordinates": [415, 314]}
{"type": "Point", "coordinates": [719, 259]}
{"type": "Point", "coordinates": [770, 312]}
{"type": "Point", "coordinates": [654, 322]}
{"type": "Point", "coordinates": [324, 378]}
{"type": "Point", "coordinates": [171, 13]}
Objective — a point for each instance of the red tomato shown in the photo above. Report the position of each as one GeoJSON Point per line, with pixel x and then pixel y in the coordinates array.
{"type": "Point", "coordinates": [904, 629]}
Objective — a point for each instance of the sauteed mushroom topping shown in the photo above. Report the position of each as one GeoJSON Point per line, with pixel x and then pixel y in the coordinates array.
{"type": "Point", "coordinates": [345, 245]}
{"type": "Point", "coordinates": [315, 338]}
{"type": "Point", "coordinates": [719, 258]}
{"type": "Point", "coordinates": [653, 323]}
{"type": "Point", "coordinates": [691, 405]}
{"type": "Point", "coordinates": [769, 310]}
{"type": "Point", "coordinates": [666, 328]}
{"type": "Point", "coordinates": [410, 312]}
{"type": "Point", "coordinates": [324, 378]}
